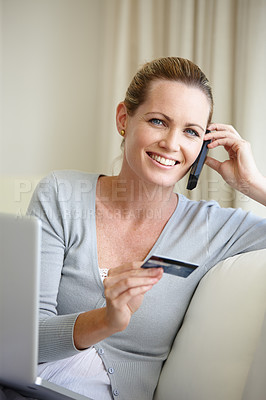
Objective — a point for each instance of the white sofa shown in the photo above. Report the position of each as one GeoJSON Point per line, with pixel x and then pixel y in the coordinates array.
{"type": "Point", "coordinates": [220, 351]}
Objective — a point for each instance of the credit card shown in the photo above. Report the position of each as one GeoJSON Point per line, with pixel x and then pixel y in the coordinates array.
{"type": "Point", "coordinates": [173, 267]}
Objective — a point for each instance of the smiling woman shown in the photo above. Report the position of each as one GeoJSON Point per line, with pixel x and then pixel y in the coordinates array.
{"type": "Point", "coordinates": [169, 126]}
{"type": "Point", "coordinates": [123, 325]}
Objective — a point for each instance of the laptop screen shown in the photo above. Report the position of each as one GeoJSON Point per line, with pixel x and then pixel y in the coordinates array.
{"type": "Point", "coordinates": [19, 293]}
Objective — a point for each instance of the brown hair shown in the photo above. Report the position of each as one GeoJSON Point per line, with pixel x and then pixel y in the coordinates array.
{"type": "Point", "coordinates": [168, 68]}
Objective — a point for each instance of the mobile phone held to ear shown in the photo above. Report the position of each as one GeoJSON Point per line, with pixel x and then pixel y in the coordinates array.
{"type": "Point", "coordinates": [198, 165]}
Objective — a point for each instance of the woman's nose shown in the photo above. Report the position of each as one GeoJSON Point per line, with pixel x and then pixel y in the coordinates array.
{"type": "Point", "coordinates": [171, 141]}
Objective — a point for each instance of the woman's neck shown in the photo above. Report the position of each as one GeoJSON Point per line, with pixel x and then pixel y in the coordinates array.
{"type": "Point", "coordinates": [135, 196]}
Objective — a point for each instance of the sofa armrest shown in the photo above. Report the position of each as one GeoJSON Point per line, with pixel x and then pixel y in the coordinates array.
{"type": "Point", "coordinates": [217, 352]}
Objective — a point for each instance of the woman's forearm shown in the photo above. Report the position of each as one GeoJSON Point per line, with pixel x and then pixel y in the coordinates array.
{"type": "Point", "coordinates": [90, 328]}
{"type": "Point", "coordinates": [257, 190]}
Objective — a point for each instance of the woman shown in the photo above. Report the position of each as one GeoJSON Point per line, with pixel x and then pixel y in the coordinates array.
{"type": "Point", "coordinates": [107, 338]}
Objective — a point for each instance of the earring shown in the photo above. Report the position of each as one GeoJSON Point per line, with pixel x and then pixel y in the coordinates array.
{"type": "Point", "coordinates": [122, 133]}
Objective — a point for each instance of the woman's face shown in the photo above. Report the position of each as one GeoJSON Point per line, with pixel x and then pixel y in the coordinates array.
{"type": "Point", "coordinates": [164, 136]}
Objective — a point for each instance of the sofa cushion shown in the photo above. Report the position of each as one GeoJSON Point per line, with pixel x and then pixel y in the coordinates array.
{"type": "Point", "coordinates": [217, 352]}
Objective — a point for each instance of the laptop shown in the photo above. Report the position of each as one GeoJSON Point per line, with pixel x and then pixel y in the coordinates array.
{"type": "Point", "coordinates": [20, 239]}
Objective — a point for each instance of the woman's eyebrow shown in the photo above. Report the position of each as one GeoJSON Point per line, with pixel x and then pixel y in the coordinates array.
{"type": "Point", "coordinates": [193, 124]}
{"type": "Point", "coordinates": [159, 112]}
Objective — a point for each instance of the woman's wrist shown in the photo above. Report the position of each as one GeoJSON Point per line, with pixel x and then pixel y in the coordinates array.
{"type": "Point", "coordinates": [257, 190]}
{"type": "Point", "coordinates": [90, 328]}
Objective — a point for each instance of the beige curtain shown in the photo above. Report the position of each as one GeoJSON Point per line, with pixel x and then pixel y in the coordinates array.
{"type": "Point", "coordinates": [67, 63]}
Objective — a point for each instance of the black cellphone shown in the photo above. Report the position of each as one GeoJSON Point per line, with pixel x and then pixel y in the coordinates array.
{"type": "Point", "coordinates": [173, 267]}
{"type": "Point", "coordinates": [198, 165]}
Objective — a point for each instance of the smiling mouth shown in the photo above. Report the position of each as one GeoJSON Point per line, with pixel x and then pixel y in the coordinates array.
{"type": "Point", "coordinates": [162, 160]}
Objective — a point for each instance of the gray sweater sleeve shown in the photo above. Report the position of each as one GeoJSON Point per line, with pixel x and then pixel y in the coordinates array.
{"type": "Point", "coordinates": [55, 331]}
{"type": "Point", "coordinates": [233, 231]}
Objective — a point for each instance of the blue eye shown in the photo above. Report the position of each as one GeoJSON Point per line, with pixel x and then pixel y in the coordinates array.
{"type": "Point", "coordinates": [192, 132]}
{"type": "Point", "coordinates": [157, 121]}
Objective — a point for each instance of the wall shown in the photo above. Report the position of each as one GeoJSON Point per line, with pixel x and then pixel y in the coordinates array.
{"type": "Point", "coordinates": [50, 75]}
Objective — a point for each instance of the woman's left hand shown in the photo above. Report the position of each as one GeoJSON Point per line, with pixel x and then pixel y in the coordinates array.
{"type": "Point", "coordinates": [240, 170]}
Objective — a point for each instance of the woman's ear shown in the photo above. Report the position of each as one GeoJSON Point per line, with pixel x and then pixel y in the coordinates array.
{"type": "Point", "coordinates": [121, 117]}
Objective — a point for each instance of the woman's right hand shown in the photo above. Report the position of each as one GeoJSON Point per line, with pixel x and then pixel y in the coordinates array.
{"type": "Point", "coordinates": [125, 287]}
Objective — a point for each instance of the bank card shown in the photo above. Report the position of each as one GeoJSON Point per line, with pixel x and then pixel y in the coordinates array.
{"type": "Point", "coordinates": [170, 266]}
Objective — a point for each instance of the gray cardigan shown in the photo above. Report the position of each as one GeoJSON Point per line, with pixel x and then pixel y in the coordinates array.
{"type": "Point", "coordinates": [198, 232]}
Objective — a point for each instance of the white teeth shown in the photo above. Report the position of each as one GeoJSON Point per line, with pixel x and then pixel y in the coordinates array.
{"type": "Point", "coordinates": [162, 160]}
